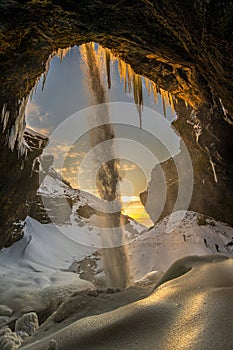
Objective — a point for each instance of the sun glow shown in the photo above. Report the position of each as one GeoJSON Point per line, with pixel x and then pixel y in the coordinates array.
{"type": "Point", "coordinates": [133, 207]}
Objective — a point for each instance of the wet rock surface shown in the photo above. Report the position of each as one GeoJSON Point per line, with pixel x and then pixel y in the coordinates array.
{"type": "Point", "coordinates": [18, 184]}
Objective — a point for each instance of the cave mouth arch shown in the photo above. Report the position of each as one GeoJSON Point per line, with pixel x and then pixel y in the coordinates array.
{"type": "Point", "coordinates": [65, 67]}
{"type": "Point", "coordinates": [191, 61]}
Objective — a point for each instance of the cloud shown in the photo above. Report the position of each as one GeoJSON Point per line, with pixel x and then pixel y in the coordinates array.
{"type": "Point", "coordinates": [75, 155]}
{"type": "Point", "coordinates": [128, 167]}
{"type": "Point", "coordinates": [36, 120]}
{"type": "Point", "coordinates": [32, 108]}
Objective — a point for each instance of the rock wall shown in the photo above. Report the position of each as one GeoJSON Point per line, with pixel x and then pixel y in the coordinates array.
{"type": "Point", "coordinates": [186, 46]}
{"type": "Point", "coordinates": [19, 182]}
{"type": "Point", "coordinates": [212, 189]}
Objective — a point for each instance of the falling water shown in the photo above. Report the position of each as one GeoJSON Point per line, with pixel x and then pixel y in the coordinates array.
{"type": "Point", "coordinates": [133, 82]}
{"type": "Point", "coordinates": [112, 234]}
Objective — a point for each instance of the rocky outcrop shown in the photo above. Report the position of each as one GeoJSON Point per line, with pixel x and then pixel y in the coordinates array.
{"type": "Point", "coordinates": [211, 160]}
{"type": "Point", "coordinates": [185, 47]}
{"type": "Point", "coordinates": [59, 209]}
{"type": "Point", "coordinates": [19, 182]}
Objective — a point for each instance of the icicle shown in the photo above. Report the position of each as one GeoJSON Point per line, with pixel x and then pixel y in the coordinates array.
{"type": "Point", "coordinates": [108, 67]}
{"type": "Point", "coordinates": [214, 171]}
{"type": "Point", "coordinates": [163, 102]}
{"type": "Point", "coordinates": [140, 115]}
{"type": "Point", "coordinates": [12, 138]}
{"type": "Point", "coordinates": [35, 165]}
{"type": "Point", "coordinates": [23, 148]}
{"type": "Point", "coordinates": [5, 117]}
{"type": "Point", "coordinates": [22, 165]}
{"type": "Point", "coordinates": [17, 130]}
{"type": "Point", "coordinates": [223, 108]}
{"type": "Point", "coordinates": [155, 92]}
{"type": "Point", "coordinates": [171, 102]}
{"type": "Point", "coordinates": [47, 66]}
{"type": "Point", "coordinates": [131, 80]}
{"type": "Point", "coordinates": [61, 53]}
{"type": "Point", "coordinates": [148, 85]}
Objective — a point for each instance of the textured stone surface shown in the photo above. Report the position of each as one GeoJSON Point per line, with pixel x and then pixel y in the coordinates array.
{"type": "Point", "coordinates": [208, 197]}
{"type": "Point", "coordinates": [19, 182]}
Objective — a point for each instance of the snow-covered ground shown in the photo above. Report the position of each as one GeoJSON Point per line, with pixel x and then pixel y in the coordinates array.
{"type": "Point", "coordinates": [34, 271]}
{"type": "Point", "coordinates": [35, 274]}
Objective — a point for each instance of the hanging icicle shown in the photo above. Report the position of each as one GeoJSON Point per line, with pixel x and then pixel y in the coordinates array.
{"type": "Point", "coordinates": [108, 66]}
{"type": "Point", "coordinates": [133, 82]}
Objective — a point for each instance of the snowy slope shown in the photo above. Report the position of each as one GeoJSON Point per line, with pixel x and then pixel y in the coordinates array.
{"type": "Point", "coordinates": [157, 250]}
{"type": "Point", "coordinates": [36, 272]}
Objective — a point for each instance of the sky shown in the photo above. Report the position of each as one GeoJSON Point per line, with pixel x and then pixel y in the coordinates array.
{"type": "Point", "coordinates": [65, 98]}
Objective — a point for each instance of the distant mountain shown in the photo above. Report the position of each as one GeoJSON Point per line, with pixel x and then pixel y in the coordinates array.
{"type": "Point", "coordinates": [56, 201]}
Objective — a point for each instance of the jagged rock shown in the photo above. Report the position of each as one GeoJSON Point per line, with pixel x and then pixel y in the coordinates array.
{"type": "Point", "coordinates": [46, 209]}
{"type": "Point", "coordinates": [18, 184]}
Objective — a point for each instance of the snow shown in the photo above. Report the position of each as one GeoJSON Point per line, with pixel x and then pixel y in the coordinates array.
{"type": "Point", "coordinates": [35, 271]}
{"type": "Point", "coordinates": [157, 250]}
{"type": "Point", "coordinates": [43, 248]}
{"type": "Point", "coordinates": [42, 257]}
{"type": "Point", "coordinates": [54, 187]}
{"type": "Point", "coordinates": [85, 231]}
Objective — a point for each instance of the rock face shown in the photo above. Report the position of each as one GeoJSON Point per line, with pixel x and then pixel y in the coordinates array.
{"type": "Point", "coordinates": [212, 186]}
{"type": "Point", "coordinates": [19, 182]}
{"type": "Point", "coordinates": [57, 202]}
{"type": "Point", "coordinates": [184, 46]}
{"type": "Point", "coordinates": [53, 201]}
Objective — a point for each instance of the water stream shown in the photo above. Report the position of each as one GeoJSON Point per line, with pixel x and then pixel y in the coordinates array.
{"type": "Point", "coordinates": [115, 258]}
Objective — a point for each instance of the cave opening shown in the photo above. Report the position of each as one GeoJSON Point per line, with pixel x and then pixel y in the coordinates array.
{"type": "Point", "coordinates": [165, 177]}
